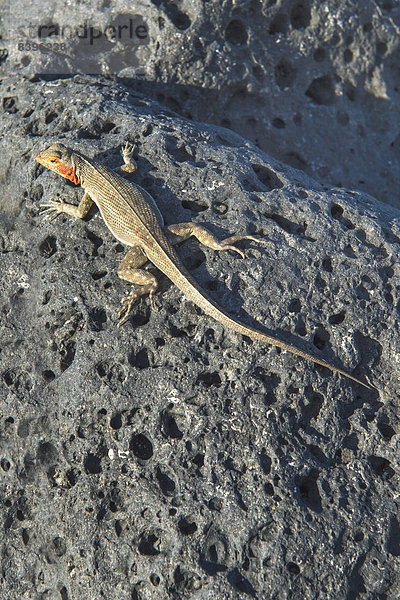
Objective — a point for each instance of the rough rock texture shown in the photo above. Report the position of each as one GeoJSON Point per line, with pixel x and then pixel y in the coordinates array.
{"type": "Point", "coordinates": [315, 84]}
{"type": "Point", "coordinates": [173, 458]}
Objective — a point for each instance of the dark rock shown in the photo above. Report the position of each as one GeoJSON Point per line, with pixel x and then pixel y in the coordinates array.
{"type": "Point", "coordinates": [173, 458]}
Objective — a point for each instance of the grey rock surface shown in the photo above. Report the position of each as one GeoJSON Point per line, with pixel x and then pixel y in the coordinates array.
{"type": "Point", "coordinates": [314, 84]}
{"type": "Point", "coordinates": [173, 458]}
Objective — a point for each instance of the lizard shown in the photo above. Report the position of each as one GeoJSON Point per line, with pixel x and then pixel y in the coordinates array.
{"type": "Point", "coordinates": [132, 216]}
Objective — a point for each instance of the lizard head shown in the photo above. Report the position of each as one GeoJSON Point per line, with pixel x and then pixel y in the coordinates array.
{"type": "Point", "coordinates": [58, 158]}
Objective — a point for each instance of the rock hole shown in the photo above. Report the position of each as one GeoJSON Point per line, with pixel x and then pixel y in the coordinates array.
{"type": "Point", "coordinates": [321, 337]}
{"type": "Point", "coordinates": [351, 92]}
{"type": "Point", "coordinates": [258, 72]}
{"type": "Point", "coordinates": [59, 546]}
{"type": "Point", "coordinates": [312, 409]}
{"type": "Point", "coordinates": [96, 319]}
{"type": "Point", "coordinates": [194, 206]}
{"type": "Point", "coordinates": [285, 224]}
{"type": "Point", "coordinates": [166, 484]}
{"type": "Point", "coordinates": [308, 490]}
{"type": "Point", "coordinates": [198, 460]}
{"type": "Point", "coordinates": [359, 536]}
{"type": "Point", "coordinates": [347, 55]}
{"type": "Point", "coordinates": [336, 211]}
{"type": "Point", "coordinates": [293, 568]}
{"type": "Point", "coordinates": [50, 117]}
{"type": "Point", "coordinates": [92, 464]}
{"type": "Point", "coordinates": [381, 466]}
{"type": "Point", "coordinates": [95, 239]}
{"type": "Point", "coordinates": [148, 131]}
{"type": "Point", "coordinates": [170, 427]}
{"type": "Point", "coordinates": [338, 318]}
{"type": "Point", "coordinates": [349, 252]}
{"type": "Point", "coordinates": [140, 317]}
{"type": "Point", "coordinates": [269, 489]}
{"type": "Point", "coordinates": [118, 528]}
{"type": "Point", "coordinates": [10, 104]}
{"type": "Point", "coordinates": [386, 430]}
{"type": "Point", "coordinates": [116, 421]}
{"type": "Point", "coordinates": [141, 360]}
{"type": "Point", "coordinates": [267, 177]}
{"type": "Point", "coordinates": [5, 464]}
{"type": "Point", "coordinates": [187, 526]}
{"type": "Point", "coordinates": [141, 446]}
{"type": "Point", "coordinates": [279, 24]}
{"type": "Point", "coordinates": [236, 33]}
{"type": "Point", "coordinates": [381, 47]}
{"type": "Point", "coordinates": [278, 123]}
{"type": "Point", "coordinates": [102, 369]}
{"type": "Point", "coordinates": [155, 579]}
{"type": "Point", "coordinates": [99, 275]}
{"type": "Point", "coordinates": [285, 74]}
{"type": "Point", "coordinates": [146, 545]}
{"type": "Point", "coordinates": [9, 378]}
{"type": "Point", "coordinates": [107, 126]}
{"type": "Point", "coordinates": [209, 379]}
{"type": "Point", "coordinates": [393, 541]}
{"type": "Point", "coordinates": [68, 355]}
{"type": "Point", "coordinates": [48, 246]}
{"type": "Point", "coordinates": [327, 265]}
{"type": "Point", "coordinates": [71, 477]}
{"type": "Point", "coordinates": [321, 90]}
{"type": "Point", "coordinates": [300, 15]}
{"type": "Point", "coordinates": [25, 537]}
{"type": "Point", "coordinates": [294, 306]}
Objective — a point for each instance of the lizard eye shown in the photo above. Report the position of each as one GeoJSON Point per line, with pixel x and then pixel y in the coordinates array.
{"type": "Point", "coordinates": [53, 160]}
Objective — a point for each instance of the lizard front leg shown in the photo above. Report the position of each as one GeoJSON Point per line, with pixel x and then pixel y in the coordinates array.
{"type": "Point", "coordinates": [59, 206]}
{"type": "Point", "coordinates": [145, 282]}
{"type": "Point", "coordinates": [129, 165]}
{"type": "Point", "coordinates": [206, 238]}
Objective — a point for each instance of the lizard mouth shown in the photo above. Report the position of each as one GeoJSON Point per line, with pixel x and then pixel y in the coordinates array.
{"type": "Point", "coordinates": [54, 164]}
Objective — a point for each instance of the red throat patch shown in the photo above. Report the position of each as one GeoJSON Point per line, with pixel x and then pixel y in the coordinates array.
{"type": "Point", "coordinates": [67, 172]}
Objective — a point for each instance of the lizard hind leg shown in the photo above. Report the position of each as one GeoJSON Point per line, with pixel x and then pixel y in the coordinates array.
{"type": "Point", "coordinates": [206, 238]}
{"type": "Point", "coordinates": [144, 282]}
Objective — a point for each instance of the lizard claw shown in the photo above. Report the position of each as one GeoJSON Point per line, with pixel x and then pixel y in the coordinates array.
{"type": "Point", "coordinates": [56, 206]}
{"type": "Point", "coordinates": [128, 148]}
{"type": "Point", "coordinates": [127, 303]}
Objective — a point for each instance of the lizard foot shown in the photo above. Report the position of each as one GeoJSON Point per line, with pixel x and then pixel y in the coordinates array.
{"type": "Point", "coordinates": [56, 206]}
{"type": "Point", "coordinates": [128, 149]}
{"type": "Point", "coordinates": [227, 244]}
{"type": "Point", "coordinates": [128, 301]}
{"type": "Point", "coordinates": [129, 165]}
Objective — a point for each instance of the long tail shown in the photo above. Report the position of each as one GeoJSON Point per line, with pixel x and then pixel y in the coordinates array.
{"type": "Point", "coordinates": [189, 286]}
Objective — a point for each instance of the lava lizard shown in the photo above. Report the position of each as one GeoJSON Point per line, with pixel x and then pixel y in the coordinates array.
{"type": "Point", "coordinates": [134, 219]}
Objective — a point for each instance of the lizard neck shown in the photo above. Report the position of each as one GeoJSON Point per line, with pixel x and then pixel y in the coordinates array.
{"type": "Point", "coordinates": [78, 169]}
